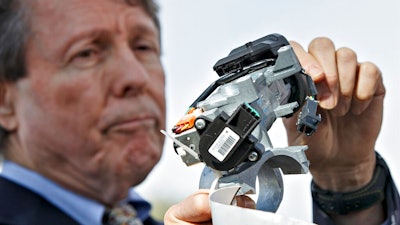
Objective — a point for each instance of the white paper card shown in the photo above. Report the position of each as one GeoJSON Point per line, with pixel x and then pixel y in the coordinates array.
{"type": "Point", "coordinates": [223, 213]}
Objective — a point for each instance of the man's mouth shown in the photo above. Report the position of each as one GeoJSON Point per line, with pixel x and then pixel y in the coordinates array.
{"type": "Point", "coordinates": [132, 125]}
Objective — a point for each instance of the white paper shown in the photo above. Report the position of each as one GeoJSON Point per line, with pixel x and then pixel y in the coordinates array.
{"type": "Point", "coordinates": [224, 213]}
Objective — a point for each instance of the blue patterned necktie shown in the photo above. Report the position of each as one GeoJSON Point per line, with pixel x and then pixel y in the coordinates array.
{"type": "Point", "coordinates": [122, 215]}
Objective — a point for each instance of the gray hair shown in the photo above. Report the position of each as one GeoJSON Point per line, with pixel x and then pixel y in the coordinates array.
{"type": "Point", "coordinates": [13, 35]}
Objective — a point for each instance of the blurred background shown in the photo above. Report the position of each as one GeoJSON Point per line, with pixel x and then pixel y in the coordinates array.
{"type": "Point", "coordinates": [195, 34]}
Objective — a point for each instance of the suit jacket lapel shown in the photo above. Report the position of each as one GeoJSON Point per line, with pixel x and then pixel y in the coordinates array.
{"type": "Point", "coordinates": [19, 205]}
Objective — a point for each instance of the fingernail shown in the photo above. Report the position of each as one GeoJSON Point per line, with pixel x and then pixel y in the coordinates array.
{"type": "Point", "coordinates": [327, 101]}
{"type": "Point", "coordinates": [315, 72]}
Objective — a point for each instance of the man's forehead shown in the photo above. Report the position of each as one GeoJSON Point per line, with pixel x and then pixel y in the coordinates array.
{"type": "Point", "coordinates": [61, 22]}
{"type": "Point", "coordinates": [67, 7]}
{"type": "Point", "coordinates": [37, 9]}
{"type": "Point", "coordinates": [40, 4]}
{"type": "Point", "coordinates": [72, 10]}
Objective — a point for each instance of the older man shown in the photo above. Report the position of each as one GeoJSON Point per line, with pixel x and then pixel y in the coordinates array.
{"type": "Point", "coordinates": [82, 103]}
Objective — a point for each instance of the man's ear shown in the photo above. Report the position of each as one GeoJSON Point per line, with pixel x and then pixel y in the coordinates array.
{"type": "Point", "coordinates": [8, 118]}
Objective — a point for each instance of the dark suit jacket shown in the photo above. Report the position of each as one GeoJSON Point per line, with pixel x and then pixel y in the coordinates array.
{"type": "Point", "coordinates": [20, 206]}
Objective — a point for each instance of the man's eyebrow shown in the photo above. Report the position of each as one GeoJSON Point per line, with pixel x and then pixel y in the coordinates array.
{"type": "Point", "coordinates": [87, 33]}
{"type": "Point", "coordinates": [143, 29]}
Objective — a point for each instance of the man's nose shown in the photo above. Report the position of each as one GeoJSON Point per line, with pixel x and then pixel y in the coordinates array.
{"type": "Point", "coordinates": [129, 74]}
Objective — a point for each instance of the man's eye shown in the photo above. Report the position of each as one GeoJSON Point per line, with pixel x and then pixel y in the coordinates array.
{"type": "Point", "coordinates": [146, 52]}
{"type": "Point", "coordinates": [87, 53]}
{"type": "Point", "coordinates": [144, 48]}
{"type": "Point", "coordinates": [86, 58]}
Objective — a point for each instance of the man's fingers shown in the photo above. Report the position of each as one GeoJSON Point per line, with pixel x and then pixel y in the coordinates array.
{"type": "Point", "coordinates": [368, 86]}
{"type": "Point", "coordinates": [313, 67]}
{"type": "Point", "coordinates": [323, 50]}
{"type": "Point", "coordinates": [193, 210]}
{"type": "Point", "coordinates": [342, 83]}
{"type": "Point", "coordinates": [347, 71]}
{"type": "Point", "coordinates": [308, 62]}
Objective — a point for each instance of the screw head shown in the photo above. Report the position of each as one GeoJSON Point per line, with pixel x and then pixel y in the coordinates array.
{"type": "Point", "coordinates": [200, 124]}
{"type": "Point", "coordinates": [253, 156]}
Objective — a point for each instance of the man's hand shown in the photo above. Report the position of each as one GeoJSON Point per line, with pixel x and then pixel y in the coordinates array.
{"type": "Point", "coordinates": [351, 94]}
{"type": "Point", "coordinates": [195, 209]}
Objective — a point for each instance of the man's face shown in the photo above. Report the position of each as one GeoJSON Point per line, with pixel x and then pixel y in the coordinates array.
{"type": "Point", "coordinates": [92, 105]}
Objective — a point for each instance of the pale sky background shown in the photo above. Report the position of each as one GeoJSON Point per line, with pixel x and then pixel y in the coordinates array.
{"type": "Point", "coordinates": [195, 34]}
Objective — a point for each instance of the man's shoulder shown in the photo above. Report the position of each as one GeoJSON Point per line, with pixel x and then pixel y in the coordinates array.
{"type": "Point", "coordinates": [19, 205]}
